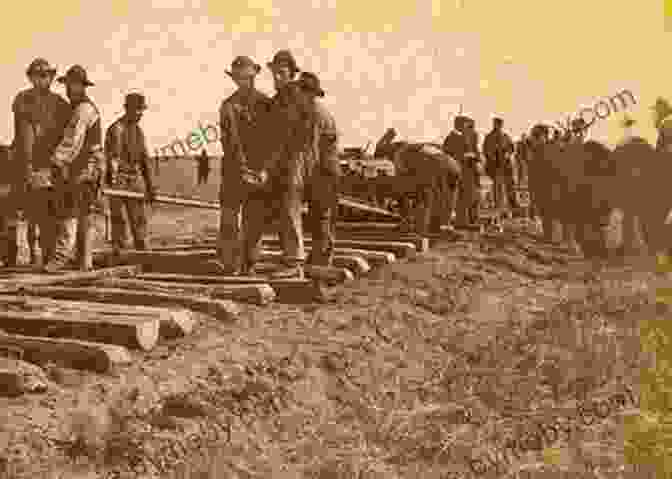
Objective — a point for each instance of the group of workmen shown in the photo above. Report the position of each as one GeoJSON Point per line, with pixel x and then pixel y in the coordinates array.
{"type": "Point", "coordinates": [59, 163]}
{"type": "Point", "coordinates": [278, 152]}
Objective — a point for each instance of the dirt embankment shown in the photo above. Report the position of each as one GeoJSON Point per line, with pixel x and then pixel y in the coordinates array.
{"type": "Point", "coordinates": [432, 368]}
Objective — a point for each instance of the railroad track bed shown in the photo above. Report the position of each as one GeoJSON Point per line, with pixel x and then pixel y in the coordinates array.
{"type": "Point", "coordinates": [139, 299]}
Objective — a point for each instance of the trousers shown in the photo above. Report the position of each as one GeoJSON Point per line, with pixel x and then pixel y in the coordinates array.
{"type": "Point", "coordinates": [135, 211]}
{"type": "Point", "coordinates": [40, 212]}
{"type": "Point", "coordinates": [322, 197]}
{"type": "Point", "coordinates": [468, 196]}
{"type": "Point", "coordinates": [74, 220]}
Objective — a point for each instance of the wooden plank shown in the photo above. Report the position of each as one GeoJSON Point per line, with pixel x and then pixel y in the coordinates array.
{"type": "Point", "coordinates": [421, 243]}
{"type": "Point", "coordinates": [100, 358]}
{"type": "Point", "coordinates": [162, 199]}
{"type": "Point", "coordinates": [194, 203]}
{"type": "Point", "coordinates": [203, 260]}
{"type": "Point", "coordinates": [16, 283]}
{"type": "Point", "coordinates": [366, 226]}
{"type": "Point", "coordinates": [400, 249]}
{"type": "Point", "coordinates": [260, 294]}
{"type": "Point", "coordinates": [127, 330]}
{"type": "Point", "coordinates": [174, 322]}
{"type": "Point", "coordinates": [356, 264]}
{"type": "Point", "coordinates": [219, 308]}
{"type": "Point", "coordinates": [286, 290]}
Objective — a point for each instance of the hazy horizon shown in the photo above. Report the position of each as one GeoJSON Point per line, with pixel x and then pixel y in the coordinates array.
{"type": "Point", "coordinates": [408, 65]}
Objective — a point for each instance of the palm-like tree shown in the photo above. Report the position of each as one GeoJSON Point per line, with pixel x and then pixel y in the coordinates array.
{"type": "Point", "coordinates": [661, 109]}
{"type": "Point", "coordinates": [628, 122]}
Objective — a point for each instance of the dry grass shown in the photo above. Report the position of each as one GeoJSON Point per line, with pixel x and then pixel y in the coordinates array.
{"type": "Point", "coordinates": [407, 374]}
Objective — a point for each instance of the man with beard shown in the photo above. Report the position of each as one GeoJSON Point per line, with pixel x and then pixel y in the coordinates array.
{"type": "Point", "coordinates": [40, 116]}
{"type": "Point", "coordinates": [498, 148]}
{"type": "Point", "coordinates": [77, 170]}
{"type": "Point", "coordinates": [128, 159]}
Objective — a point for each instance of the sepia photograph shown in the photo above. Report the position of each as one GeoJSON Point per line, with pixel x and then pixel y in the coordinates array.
{"type": "Point", "coordinates": [333, 239]}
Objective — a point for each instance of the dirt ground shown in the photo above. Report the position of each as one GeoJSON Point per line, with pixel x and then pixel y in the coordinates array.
{"type": "Point", "coordinates": [423, 369]}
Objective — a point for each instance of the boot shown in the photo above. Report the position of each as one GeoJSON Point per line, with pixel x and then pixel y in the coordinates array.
{"type": "Point", "coordinates": [57, 264]}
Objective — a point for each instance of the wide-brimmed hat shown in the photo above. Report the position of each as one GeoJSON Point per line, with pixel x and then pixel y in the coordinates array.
{"type": "Point", "coordinates": [579, 124]}
{"type": "Point", "coordinates": [76, 73]}
{"type": "Point", "coordinates": [39, 66]}
{"type": "Point", "coordinates": [135, 101]}
{"type": "Point", "coordinates": [284, 58]}
{"type": "Point", "coordinates": [310, 82]}
{"type": "Point", "coordinates": [243, 66]}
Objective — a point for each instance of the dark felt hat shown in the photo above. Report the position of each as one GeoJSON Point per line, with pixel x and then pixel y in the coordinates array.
{"type": "Point", "coordinates": [40, 66]}
{"type": "Point", "coordinates": [135, 101]}
{"type": "Point", "coordinates": [310, 82]}
{"type": "Point", "coordinates": [76, 73]}
{"type": "Point", "coordinates": [284, 58]}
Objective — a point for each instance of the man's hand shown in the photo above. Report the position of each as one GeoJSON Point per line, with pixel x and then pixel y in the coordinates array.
{"type": "Point", "coordinates": [150, 195]}
{"type": "Point", "coordinates": [41, 178]}
{"type": "Point", "coordinates": [91, 174]}
{"type": "Point", "coordinates": [113, 172]}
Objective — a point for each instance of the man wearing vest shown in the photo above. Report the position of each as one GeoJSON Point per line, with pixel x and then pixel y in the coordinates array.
{"type": "Point", "coordinates": [40, 116]}
{"type": "Point", "coordinates": [244, 167]}
{"type": "Point", "coordinates": [77, 170]}
{"type": "Point", "coordinates": [127, 160]}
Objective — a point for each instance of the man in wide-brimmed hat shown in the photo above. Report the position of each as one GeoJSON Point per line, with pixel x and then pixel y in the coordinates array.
{"type": "Point", "coordinates": [128, 160]}
{"type": "Point", "coordinates": [322, 156]}
{"type": "Point", "coordinates": [78, 166]}
{"type": "Point", "coordinates": [40, 116]}
{"type": "Point", "coordinates": [285, 177]}
{"type": "Point", "coordinates": [244, 166]}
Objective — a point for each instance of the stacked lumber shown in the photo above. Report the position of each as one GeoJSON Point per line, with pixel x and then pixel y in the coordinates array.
{"type": "Point", "coordinates": [260, 294]}
{"type": "Point", "coordinates": [173, 322]}
{"type": "Point", "coordinates": [219, 308]}
{"type": "Point", "coordinates": [201, 262]}
{"type": "Point", "coordinates": [100, 358]}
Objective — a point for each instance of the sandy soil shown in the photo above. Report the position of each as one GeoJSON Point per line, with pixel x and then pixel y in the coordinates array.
{"type": "Point", "coordinates": [416, 371]}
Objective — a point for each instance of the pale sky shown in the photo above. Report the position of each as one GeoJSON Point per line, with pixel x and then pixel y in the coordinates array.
{"type": "Point", "coordinates": [403, 64]}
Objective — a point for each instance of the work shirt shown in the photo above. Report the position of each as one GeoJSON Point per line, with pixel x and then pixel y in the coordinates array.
{"type": "Point", "coordinates": [456, 145]}
{"type": "Point", "coordinates": [81, 145]}
{"type": "Point", "coordinates": [39, 124]}
{"type": "Point", "coordinates": [497, 148]}
{"type": "Point", "coordinates": [241, 118]}
{"type": "Point", "coordinates": [327, 136]}
{"type": "Point", "coordinates": [125, 145]}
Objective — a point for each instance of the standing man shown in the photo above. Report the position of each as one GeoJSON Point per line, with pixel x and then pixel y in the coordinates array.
{"type": "Point", "coordinates": [244, 166]}
{"type": "Point", "coordinates": [498, 148]}
{"type": "Point", "coordinates": [203, 168]}
{"type": "Point", "coordinates": [323, 172]}
{"type": "Point", "coordinates": [127, 160]}
{"type": "Point", "coordinates": [40, 116]}
{"type": "Point", "coordinates": [285, 127]}
{"type": "Point", "coordinates": [77, 170]}
{"type": "Point", "coordinates": [455, 145]}
{"type": "Point", "coordinates": [462, 144]}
